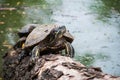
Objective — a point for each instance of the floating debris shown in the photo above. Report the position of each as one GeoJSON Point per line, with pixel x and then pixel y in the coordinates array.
{"type": "Point", "coordinates": [10, 9]}
{"type": "Point", "coordinates": [2, 22]}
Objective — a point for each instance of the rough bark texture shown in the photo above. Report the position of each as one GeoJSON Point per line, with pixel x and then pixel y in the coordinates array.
{"type": "Point", "coordinates": [49, 67]}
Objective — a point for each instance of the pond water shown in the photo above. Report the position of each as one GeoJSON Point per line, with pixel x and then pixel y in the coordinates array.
{"type": "Point", "coordinates": [95, 25]}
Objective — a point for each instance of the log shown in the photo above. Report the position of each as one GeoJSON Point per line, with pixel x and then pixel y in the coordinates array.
{"type": "Point", "coordinates": [49, 67]}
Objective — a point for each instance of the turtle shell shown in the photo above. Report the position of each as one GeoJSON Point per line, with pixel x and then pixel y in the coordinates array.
{"type": "Point", "coordinates": [39, 34]}
{"type": "Point", "coordinates": [24, 31]}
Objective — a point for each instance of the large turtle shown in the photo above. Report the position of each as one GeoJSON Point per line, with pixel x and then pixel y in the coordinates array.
{"type": "Point", "coordinates": [49, 37]}
{"type": "Point", "coordinates": [24, 32]}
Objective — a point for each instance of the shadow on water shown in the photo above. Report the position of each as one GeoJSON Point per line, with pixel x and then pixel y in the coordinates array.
{"type": "Point", "coordinates": [94, 24]}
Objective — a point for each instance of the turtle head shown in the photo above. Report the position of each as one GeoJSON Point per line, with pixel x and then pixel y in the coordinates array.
{"type": "Point", "coordinates": [57, 33]}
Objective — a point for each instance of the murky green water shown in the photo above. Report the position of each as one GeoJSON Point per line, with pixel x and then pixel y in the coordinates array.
{"type": "Point", "coordinates": [95, 24]}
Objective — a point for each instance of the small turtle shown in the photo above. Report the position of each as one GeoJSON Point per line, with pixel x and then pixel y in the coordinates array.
{"type": "Point", "coordinates": [45, 37]}
{"type": "Point", "coordinates": [20, 43]}
{"type": "Point", "coordinates": [24, 31]}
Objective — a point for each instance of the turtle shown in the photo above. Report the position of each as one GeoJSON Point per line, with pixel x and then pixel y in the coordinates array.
{"type": "Point", "coordinates": [24, 31]}
{"type": "Point", "coordinates": [19, 43]}
{"type": "Point", "coordinates": [49, 37]}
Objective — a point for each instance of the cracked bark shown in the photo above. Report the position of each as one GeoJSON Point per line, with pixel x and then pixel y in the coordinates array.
{"type": "Point", "coordinates": [49, 67]}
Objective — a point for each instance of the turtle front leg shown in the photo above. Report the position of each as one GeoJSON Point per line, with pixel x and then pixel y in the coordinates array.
{"type": "Point", "coordinates": [35, 53]}
{"type": "Point", "coordinates": [69, 50]}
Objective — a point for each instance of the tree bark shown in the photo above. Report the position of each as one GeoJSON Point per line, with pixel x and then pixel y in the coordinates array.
{"type": "Point", "coordinates": [49, 67]}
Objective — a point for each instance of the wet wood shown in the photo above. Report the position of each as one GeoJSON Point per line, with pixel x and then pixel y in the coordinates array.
{"type": "Point", "coordinates": [49, 67]}
{"type": "Point", "coordinates": [10, 9]}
